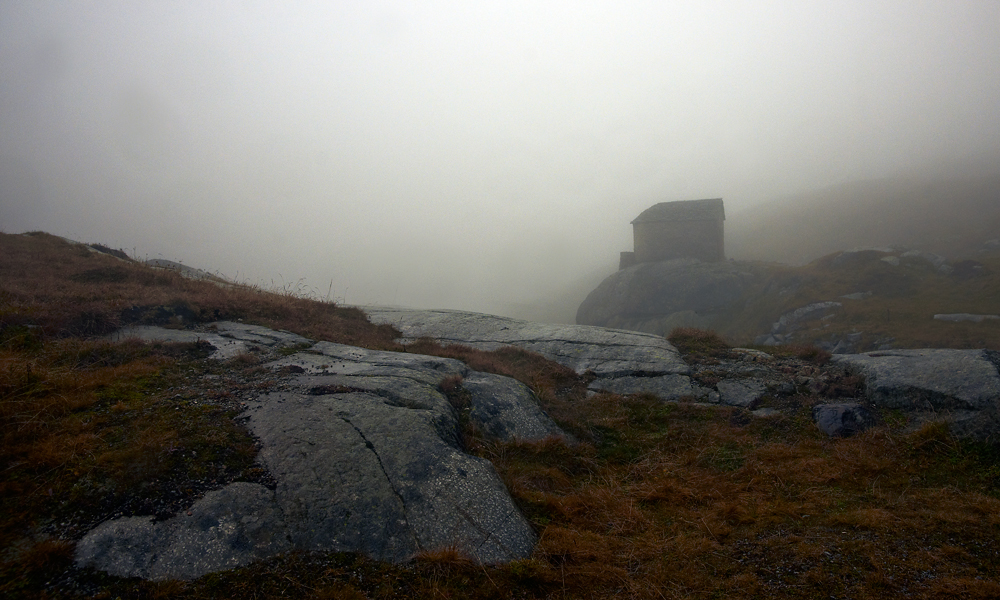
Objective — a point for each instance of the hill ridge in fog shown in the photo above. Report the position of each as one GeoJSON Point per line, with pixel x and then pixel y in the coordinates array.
{"type": "Point", "coordinates": [948, 216]}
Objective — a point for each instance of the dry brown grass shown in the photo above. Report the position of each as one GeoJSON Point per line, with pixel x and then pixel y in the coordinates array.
{"type": "Point", "coordinates": [699, 344]}
{"type": "Point", "coordinates": [67, 290]}
{"type": "Point", "coordinates": [904, 300]}
{"type": "Point", "coordinates": [84, 423]}
{"type": "Point", "coordinates": [680, 502]}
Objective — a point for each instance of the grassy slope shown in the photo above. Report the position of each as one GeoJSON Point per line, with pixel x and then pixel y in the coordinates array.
{"type": "Point", "coordinates": [656, 501]}
{"type": "Point", "coordinates": [902, 305]}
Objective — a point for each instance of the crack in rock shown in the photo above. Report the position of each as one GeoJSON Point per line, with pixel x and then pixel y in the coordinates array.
{"type": "Point", "coordinates": [388, 479]}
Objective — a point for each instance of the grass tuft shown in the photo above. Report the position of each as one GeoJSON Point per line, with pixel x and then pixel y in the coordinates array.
{"type": "Point", "coordinates": [699, 343]}
{"type": "Point", "coordinates": [813, 354]}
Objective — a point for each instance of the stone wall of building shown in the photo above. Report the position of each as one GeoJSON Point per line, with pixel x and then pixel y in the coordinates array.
{"type": "Point", "coordinates": [664, 240]}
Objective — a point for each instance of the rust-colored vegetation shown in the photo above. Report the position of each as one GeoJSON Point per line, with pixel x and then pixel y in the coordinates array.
{"type": "Point", "coordinates": [648, 500]}
{"type": "Point", "coordinates": [899, 310]}
{"type": "Point", "coordinates": [68, 290]}
{"type": "Point", "coordinates": [699, 344]}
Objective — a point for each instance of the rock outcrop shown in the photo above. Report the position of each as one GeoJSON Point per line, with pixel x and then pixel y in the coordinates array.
{"type": "Point", "coordinates": [959, 317]}
{"type": "Point", "coordinates": [624, 362]}
{"type": "Point", "coordinates": [365, 448]}
{"type": "Point", "coordinates": [961, 387]}
{"type": "Point", "coordinates": [506, 409]}
{"type": "Point", "coordinates": [228, 338]}
{"type": "Point", "coordinates": [843, 419]}
{"type": "Point", "coordinates": [366, 455]}
{"type": "Point", "coordinates": [842, 302]}
{"type": "Point", "coordinates": [789, 322]}
{"type": "Point", "coordinates": [656, 297]}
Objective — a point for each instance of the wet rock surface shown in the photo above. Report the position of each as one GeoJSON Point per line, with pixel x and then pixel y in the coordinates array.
{"type": "Point", "coordinates": [506, 409]}
{"type": "Point", "coordinates": [227, 337]}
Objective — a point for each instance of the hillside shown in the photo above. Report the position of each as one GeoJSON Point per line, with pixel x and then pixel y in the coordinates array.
{"type": "Point", "coordinates": [860, 301]}
{"type": "Point", "coordinates": [952, 217]}
{"type": "Point", "coordinates": [646, 499]}
{"type": "Point", "coordinates": [956, 217]}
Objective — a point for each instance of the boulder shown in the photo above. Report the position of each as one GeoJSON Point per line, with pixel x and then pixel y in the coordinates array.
{"type": "Point", "coordinates": [961, 387]}
{"type": "Point", "coordinates": [740, 392]}
{"type": "Point", "coordinates": [506, 409]}
{"type": "Point", "coordinates": [843, 419]}
{"type": "Point", "coordinates": [928, 379]}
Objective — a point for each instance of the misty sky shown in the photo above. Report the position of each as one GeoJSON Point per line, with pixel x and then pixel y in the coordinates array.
{"type": "Point", "coordinates": [463, 154]}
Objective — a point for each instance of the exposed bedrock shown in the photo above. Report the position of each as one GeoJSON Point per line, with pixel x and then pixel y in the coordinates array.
{"type": "Point", "coordinates": [961, 387]}
{"type": "Point", "coordinates": [364, 449]}
{"type": "Point", "coordinates": [625, 362]}
{"type": "Point", "coordinates": [656, 297]}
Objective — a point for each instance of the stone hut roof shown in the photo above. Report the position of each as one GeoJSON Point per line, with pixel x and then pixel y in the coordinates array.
{"type": "Point", "coordinates": [684, 210]}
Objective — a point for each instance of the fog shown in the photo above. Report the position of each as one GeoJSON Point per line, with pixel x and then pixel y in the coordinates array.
{"type": "Point", "coordinates": [480, 156]}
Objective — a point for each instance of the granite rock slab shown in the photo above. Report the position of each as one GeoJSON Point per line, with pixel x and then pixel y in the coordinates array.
{"type": "Point", "coordinates": [928, 379]}
{"type": "Point", "coordinates": [622, 362]}
{"type": "Point", "coordinates": [366, 455]}
{"type": "Point", "coordinates": [605, 352]}
{"type": "Point", "coordinates": [960, 387]}
{"type": "Point", "coordinates": [227, 337]}
{"type": "Point", "coordinates": [506, 409]}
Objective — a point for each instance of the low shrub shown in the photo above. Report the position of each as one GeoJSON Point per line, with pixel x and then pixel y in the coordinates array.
{"type": "Point", "coordinates": [699, 343]}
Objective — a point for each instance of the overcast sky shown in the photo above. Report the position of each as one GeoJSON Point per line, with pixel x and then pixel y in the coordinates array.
{"type": "Point", "coordinates": [463, 154]}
